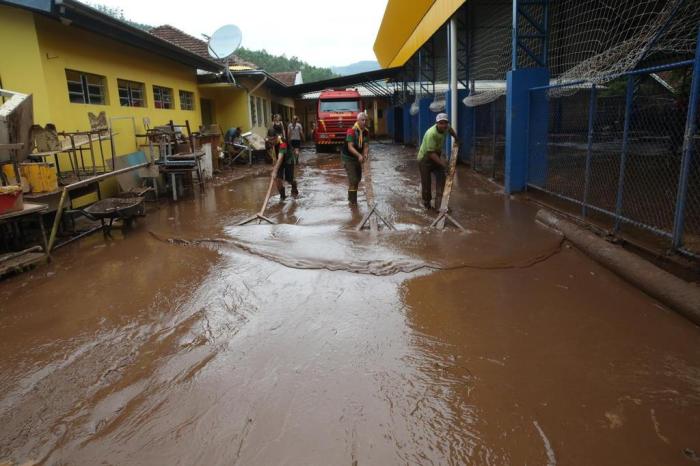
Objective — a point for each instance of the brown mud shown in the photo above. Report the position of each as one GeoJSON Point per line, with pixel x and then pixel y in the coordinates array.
{"type": "Point", "coordinates": [195, 341]}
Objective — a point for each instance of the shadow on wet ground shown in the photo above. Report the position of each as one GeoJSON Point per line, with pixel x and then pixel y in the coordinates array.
{"type": "Point", "coordinates": [195, 341]}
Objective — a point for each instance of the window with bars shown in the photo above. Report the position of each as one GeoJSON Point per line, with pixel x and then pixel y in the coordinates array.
{"type": "Point", "coordinates": [131, 93]}
{"type": "Point", "coordinates": [86, 88]}
{"type": "Point", "coordinates": [186, 100]}
{"type": "Point", "coordinates": [162, 97]}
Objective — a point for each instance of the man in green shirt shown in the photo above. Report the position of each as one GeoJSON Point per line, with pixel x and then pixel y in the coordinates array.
{"type": "Point", "coordinates": [353, 154]}
{"type": "Point", "coordinates": [430, 159]}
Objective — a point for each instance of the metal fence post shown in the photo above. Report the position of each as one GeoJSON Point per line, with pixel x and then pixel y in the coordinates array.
{"type": "Point", "coordinates": [493, 139]}
{"type": "Point", "coordinates": [690, 129]}
{"type": "Point", "coordinates": [629, 99]}
{"type": "Point", "coordinates": [589, 151]}
{"type": "Point", "coordinates": [476, 159]}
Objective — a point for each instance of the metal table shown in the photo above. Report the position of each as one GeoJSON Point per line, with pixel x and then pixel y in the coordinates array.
{"type": "Point", "coordinates": [29, 210]}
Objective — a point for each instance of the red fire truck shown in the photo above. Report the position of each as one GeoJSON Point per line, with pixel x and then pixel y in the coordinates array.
{"type": "Point", "coordinates": [337, 112]}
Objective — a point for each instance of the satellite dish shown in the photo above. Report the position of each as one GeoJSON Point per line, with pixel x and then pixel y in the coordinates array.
{"type": "Point", "coordinates": [224, 41]}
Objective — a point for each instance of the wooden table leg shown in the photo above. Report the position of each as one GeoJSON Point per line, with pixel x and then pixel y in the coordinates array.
{"type": "Point", "coordinates": [44, 241]}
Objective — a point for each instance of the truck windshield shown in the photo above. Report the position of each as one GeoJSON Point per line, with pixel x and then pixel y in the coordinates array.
{"type": "Point", "coordinates": [340, 106]}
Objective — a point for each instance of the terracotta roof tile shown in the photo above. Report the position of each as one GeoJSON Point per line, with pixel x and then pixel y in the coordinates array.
{"type": "Point", "coordinates": [194, 45]}
{"type": "Point", "coordinates": [285, 77]}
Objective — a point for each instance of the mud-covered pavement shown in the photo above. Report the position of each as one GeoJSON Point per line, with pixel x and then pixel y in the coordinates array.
{"type": "Point", "coordinates": [196, 341]}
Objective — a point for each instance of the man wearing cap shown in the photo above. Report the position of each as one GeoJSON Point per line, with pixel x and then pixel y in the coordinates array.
{"type": "Point", "coordinates": [430, 160]}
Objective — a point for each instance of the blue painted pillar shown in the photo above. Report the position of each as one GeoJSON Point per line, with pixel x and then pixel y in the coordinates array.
{"type": "Point", "coordinates": [521, 124]}
{"type": "Point", "coordinates": [538, 138]}
{"type": "Point", "coordinates": [691, 128]}
{"type": "Point", "coordinates": [426, 118]}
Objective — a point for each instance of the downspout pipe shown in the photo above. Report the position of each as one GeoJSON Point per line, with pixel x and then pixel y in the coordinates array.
{"type": "Point", "coordinates": [257, 86]}
{"type": "Point", "coordinates": [679, 295]}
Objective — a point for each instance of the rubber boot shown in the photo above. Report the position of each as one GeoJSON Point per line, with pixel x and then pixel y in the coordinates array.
{"type": "Point", "coordinates": [352, 197]}
{"type": "Point", "coordinates": [283, 195]}
{"type": "Point", "coordinates": [295, 191]}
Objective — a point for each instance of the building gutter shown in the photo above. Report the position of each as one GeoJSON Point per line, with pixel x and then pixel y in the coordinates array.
{"type": "Point", "coordinates": [42, 6]}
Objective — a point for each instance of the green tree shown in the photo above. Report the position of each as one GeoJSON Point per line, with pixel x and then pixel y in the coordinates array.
{"type": "Point", "coordinates": [279, 63]}
{"type": "Point", "coordinates": [262, 58]}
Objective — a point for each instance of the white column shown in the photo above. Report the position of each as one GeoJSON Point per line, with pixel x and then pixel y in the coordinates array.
{"type": "Point", "coordinates": [453, 73]}
{"type": "Point", "coordinates": [375, 124]}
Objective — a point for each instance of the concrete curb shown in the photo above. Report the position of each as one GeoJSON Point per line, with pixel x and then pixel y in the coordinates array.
{"type": "Point", "coordinates": [674, 292]}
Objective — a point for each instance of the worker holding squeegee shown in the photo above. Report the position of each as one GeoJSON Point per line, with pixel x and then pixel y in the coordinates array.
{"type": "Point", "coordinates": [286, 170]}
{"type": "Point", "coordinates": [354, 153]}
{"type": "Point", "coordinates": [430, 160]}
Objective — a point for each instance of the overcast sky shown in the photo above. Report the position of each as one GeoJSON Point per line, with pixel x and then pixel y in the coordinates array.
{"type": "Point", "coordinates": [321, 32]}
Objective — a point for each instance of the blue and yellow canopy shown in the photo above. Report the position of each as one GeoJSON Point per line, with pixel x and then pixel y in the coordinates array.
{"type": "Point", "coordinates": [407, 26]}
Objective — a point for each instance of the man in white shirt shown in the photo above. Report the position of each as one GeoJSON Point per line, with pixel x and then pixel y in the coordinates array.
{"type": "Point", "coordinates": [295, 132]}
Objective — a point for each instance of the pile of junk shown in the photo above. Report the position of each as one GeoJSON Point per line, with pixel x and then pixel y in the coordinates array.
{"type": "Point", "coordinates": [57, 187]}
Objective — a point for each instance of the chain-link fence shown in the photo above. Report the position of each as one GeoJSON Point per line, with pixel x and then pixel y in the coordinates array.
{"type": "Point", "coordinates": [691, 231]}
{"type": "Point", "coordinates": [617, 152]}
{"type": "Point", "coordinates": [489, 141]}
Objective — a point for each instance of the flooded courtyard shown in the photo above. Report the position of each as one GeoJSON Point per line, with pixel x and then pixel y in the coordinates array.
{"type": "Point", "coordinates": [192, 340]}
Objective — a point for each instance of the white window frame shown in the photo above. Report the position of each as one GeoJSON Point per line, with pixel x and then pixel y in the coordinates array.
{"type": "Point", "coordinates": [159, 97]}
{"type": "Point", "coordinates": [189, 96]}
{"type": "Point", "coordinates": [131, 90]}
{"type": "Point", "coordinates": [84, 90]}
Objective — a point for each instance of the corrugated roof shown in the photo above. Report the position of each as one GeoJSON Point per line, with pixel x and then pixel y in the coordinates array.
{"type": "Point", "coordinates": [197, 46]}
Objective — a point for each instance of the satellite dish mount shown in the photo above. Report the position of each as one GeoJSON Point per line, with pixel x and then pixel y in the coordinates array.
{"type": "Point", "coordinates": [223, 43]}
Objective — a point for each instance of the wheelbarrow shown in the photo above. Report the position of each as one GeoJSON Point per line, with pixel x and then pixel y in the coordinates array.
{"type": "Point", "coordinates": [115, 208]}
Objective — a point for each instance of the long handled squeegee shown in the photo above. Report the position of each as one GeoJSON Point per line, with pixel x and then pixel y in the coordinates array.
{"type": "Point", "coordinates": [443, 216]}
{"type": "Point", "coordinates": [372, 214]}
{"type": "Point", "coordinates": [260, 216]}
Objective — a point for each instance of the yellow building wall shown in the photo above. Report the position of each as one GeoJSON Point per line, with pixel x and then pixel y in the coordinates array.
{"type": "Point", "coordinates": [268, 98]}
{"type": "Point", "coordinates": [66, 47]}
{"type": "Point", "coordinates": [230, 105]}
{"type": "Point", "coordinates": [35, 51]}
{"type": "Point", "coordinates": [21, 66]}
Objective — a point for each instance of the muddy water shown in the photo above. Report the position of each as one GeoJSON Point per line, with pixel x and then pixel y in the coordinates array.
{"type": "Point", "coordinates": [196, 341]}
